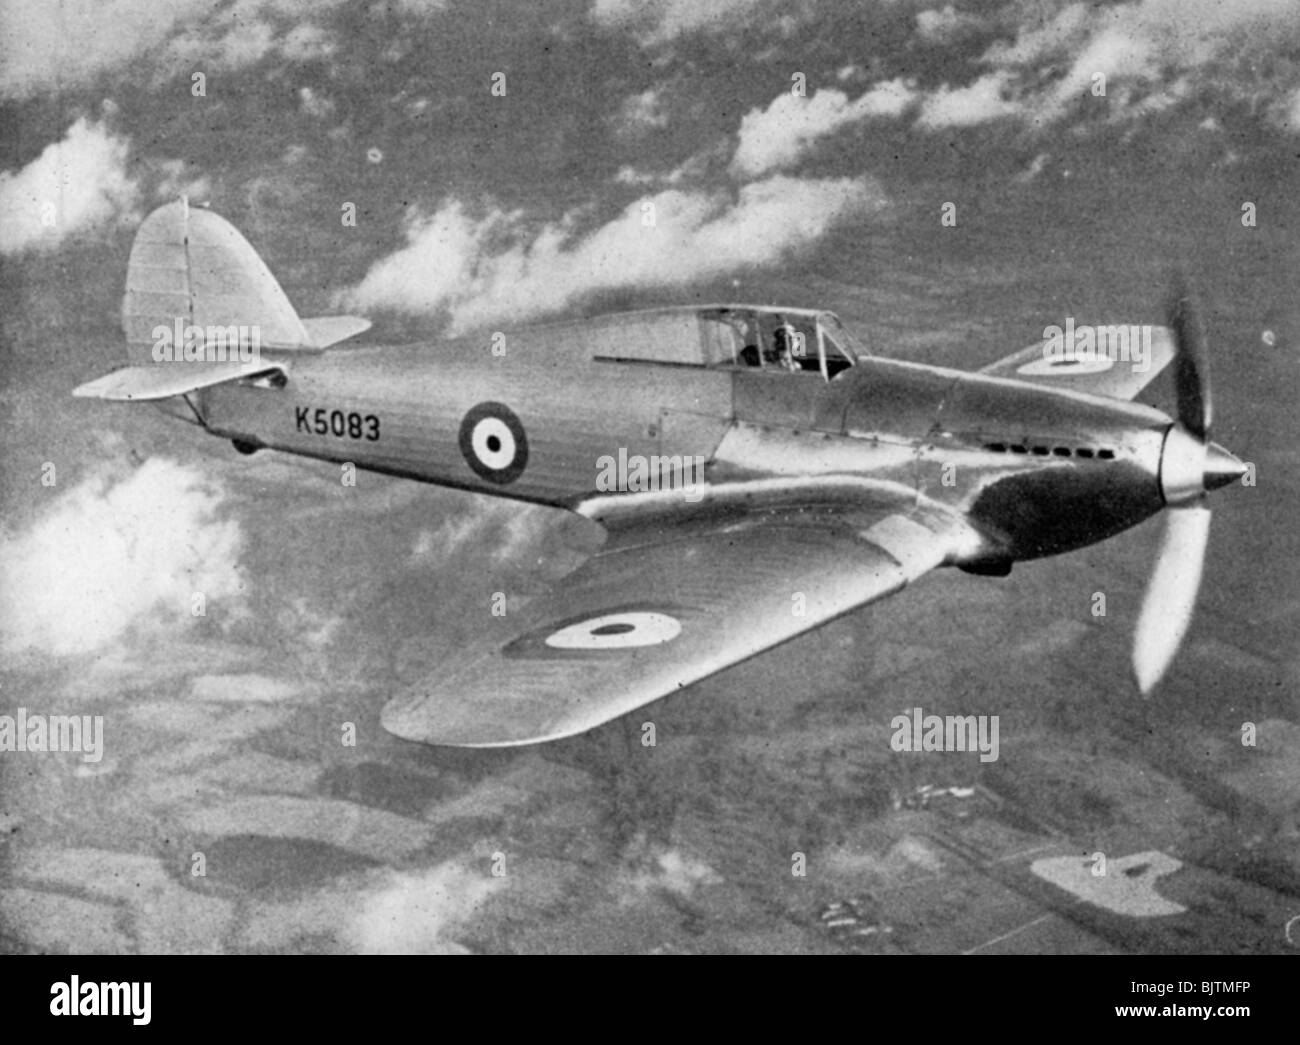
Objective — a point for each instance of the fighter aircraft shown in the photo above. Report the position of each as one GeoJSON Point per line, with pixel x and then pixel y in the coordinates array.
{"type": "Point", "coordinates": [747, 473]}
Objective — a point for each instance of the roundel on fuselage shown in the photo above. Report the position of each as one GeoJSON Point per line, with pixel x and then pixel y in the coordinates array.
{"type": "Point", "coordinates": [493, 443]}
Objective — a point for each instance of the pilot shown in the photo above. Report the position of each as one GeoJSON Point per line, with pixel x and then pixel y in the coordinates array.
{"type": "Point", "coordinates": [782, 353]}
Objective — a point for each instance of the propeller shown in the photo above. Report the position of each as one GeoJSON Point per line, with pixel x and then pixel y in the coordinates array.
{"type": "Point", "coordinates": [1191, 365]}
{"type": "Point", "coordinates": [1190, 466]}
{"type": "Point", "coordinates": [1171, 594]}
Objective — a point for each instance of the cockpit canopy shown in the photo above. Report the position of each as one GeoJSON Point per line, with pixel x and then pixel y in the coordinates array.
{"type": "Point", "coordinates": [793, 340]}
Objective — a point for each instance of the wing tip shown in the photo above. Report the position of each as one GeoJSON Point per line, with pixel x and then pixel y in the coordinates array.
{"type": "Point", "coordinates": [409, 719]}
{"type": "Point", "coordinates": [104, 387]}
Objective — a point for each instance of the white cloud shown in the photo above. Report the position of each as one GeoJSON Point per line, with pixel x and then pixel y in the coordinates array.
{"type": "Point", "coordinates": [314, 104]}
{"type": "Point", "coordinates": [628, 175]}
{"type": "Point", "coordinates": [306, 42]}
{"type": "Point", "coordinates": [672, 870]}
{"type": "Point", "coordinates": [481, 270]}
{"type": "Point", "coordinates": [110, 552]}
{"type": "Point", "coordinates": [641, 113]}
{"type": "Point", "coordinates": [967, 106]}
{"type": "Point", "coordinates": [1038, 40]}
{"type": "Point", "coordinates": [75, 184]}
{"type": "Point", "coordinates": [211, 45]}
{"type": "Point", "coordinates": [49, 46]}
{"type": "Point", "coordinates": [1136, 105]}
{"type": "Point", "coordinates": [694, 168]}
{"type": "Point", "coordinates": [944, 25]}
{"type": "Point", "coordinates": [175, 180]}
{"type": "Point", "coordinates": [1112, 53]}
{"type": "Point", "coordinates": [416, 912]}
{"type": "Point", "coordinates": [244, 688]}
{"type": "Point", "coordinates": [1035, 168]}
{"type": "Point", "coordinates": [779, 136]}
{"type": "Point", "coordinates": [1288, 113]}
{"type": "Point", "coordinates": [1145, 42]}
{"type": "Point", "coordinates": [434, 268]}
{"type": "Point", "coordinates": [422, 7]}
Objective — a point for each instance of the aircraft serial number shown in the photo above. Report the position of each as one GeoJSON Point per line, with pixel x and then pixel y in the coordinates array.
{"type": "Point", "coordinates": [349, 425]}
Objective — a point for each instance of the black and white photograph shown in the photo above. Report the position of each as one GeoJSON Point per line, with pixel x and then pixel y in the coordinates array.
{"type": "Point", "coordinates": [683, 477]}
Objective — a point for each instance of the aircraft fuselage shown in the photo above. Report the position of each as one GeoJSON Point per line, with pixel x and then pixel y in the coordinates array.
{"type": "Point", "coordinates": [1038, 471]}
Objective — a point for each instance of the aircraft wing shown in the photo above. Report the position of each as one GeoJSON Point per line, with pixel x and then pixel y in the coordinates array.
{"type": "Point", "coordinates": [1120, 374]}
{"type": "Point", "coordinates": [661, 606]}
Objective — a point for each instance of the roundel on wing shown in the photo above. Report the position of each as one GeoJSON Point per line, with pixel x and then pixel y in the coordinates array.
{"type": "Point", "coordinates": [616, 631]}
{"type": "Point", "coordinates": [493, 443]}
{"type": "Point", "coordinates": [1066, 367]}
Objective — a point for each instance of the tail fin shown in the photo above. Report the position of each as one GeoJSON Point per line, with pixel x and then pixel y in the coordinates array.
{"type": "Point", "coordinates": [197, 293]}
{"type": "Point", "coordinates": [190, 267]}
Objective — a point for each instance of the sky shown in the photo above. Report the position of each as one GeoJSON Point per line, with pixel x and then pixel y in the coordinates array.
{"type": "Point", "coordinates": [501, 159]}
{"type": "Point", "coordinates": [516, 162]}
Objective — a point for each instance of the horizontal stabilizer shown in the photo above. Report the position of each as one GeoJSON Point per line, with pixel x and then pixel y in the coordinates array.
{"type": "Point", "coordinates": [323, 331]}
{"type": "Point", "coordinates": [164, 380]}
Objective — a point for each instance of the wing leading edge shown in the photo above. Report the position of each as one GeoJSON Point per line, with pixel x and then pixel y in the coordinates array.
{"type": "Point", "coordinates": [659, 608]}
